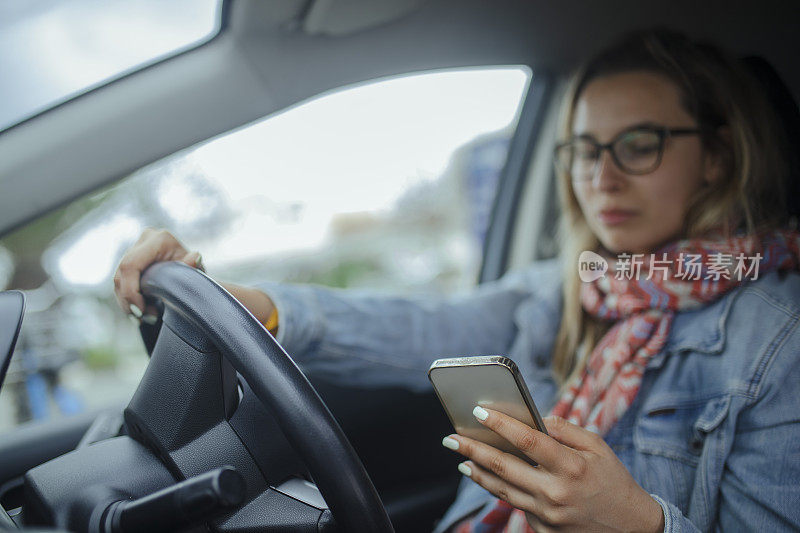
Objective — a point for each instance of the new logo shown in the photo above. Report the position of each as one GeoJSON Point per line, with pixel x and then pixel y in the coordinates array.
{"type": "Point", "coordinates": [591, 266]}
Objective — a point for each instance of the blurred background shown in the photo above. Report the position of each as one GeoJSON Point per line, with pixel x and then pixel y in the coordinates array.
{"type": "Point", "coordinates": [387, 185]}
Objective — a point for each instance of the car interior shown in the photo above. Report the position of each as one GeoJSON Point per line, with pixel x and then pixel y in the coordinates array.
{"type": "Point", "coordinates": [383, 467]}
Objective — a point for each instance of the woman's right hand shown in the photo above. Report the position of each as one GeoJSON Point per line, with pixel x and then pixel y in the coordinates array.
{"type": "Point", "coordinates": [154, 245]}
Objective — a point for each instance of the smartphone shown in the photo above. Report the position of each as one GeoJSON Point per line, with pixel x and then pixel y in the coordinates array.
{"type": "Point", "coordinates": [492, 381]}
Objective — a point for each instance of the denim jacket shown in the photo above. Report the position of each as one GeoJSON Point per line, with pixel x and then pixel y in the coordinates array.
{"type": "Point", "coordinates": [713, 434]}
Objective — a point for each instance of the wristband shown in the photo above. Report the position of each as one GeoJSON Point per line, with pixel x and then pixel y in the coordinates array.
{"type": "Point", "coordinates": [272, 322]}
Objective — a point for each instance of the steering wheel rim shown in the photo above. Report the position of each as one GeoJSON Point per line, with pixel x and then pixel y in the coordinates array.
{"type": "Point", "coordinates": [300, 412]}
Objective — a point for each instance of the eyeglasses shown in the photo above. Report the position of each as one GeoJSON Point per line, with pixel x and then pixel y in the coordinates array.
{"type": "Point", "coordinates": [637, 150]}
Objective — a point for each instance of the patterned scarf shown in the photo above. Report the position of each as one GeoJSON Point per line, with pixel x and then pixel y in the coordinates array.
{"type": "Point", "coordinates": [642, 294]}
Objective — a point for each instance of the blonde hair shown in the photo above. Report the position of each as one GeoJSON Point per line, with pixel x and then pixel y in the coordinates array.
{"type": "Point", "coordinates": [720, 94]}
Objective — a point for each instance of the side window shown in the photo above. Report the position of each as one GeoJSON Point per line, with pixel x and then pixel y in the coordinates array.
{"type": "Point", "coordinates": [386, 185]}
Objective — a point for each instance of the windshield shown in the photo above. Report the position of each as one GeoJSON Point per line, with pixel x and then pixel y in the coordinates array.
{"type": "Point", "coordinates": [52, 50]}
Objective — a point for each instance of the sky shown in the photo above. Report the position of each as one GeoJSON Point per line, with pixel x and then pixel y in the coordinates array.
{"type": "Point", "coordinates": [358, 149]}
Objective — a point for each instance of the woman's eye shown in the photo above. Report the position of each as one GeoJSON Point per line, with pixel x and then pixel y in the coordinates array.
{"type": "Point", "coordinates": [643, 148]}
{"type": "Point", "coordinates": [639, 147]}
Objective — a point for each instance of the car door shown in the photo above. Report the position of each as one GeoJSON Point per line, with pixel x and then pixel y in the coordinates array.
{"type": "Point", "coordinates": [409, 220]}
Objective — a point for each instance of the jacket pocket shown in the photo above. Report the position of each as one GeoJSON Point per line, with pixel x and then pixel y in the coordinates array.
{"type": "Point", "coordinates": [678, 429]}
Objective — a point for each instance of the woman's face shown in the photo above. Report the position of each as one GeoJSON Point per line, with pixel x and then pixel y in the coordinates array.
{"type": "Point", "coordinates": [638, 213]}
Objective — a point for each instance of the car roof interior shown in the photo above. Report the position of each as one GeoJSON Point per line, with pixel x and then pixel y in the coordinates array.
{"type": "Point", "coordinates": [271, 55]}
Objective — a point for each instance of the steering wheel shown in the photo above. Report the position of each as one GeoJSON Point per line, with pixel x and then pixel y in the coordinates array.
{"type": "Point", "coordinates": [163, 411]}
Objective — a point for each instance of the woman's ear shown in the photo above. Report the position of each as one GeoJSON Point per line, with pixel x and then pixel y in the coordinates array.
{"type": "Point", "coordinates": [717, 161]}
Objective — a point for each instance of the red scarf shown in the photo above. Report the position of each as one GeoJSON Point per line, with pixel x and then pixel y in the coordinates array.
{"type": "Point", "coordinates": [684, 275]}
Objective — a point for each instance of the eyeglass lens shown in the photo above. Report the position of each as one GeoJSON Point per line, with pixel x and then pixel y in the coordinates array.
{"type": "Point", "coordinates": [636, 152]}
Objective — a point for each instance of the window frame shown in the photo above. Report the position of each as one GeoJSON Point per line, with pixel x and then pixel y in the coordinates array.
{"type": "Point", "coordinates": [528, 134]}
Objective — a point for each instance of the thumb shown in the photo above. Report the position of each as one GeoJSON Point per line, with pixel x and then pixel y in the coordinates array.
{"type": "Point", "coordinates": [194, 259]}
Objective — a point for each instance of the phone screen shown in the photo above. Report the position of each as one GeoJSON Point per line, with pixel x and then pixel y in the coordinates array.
{"type": "Point", "coordinates": [492, 382]}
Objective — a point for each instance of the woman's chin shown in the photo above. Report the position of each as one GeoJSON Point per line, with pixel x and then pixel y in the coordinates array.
{"type": "Point", "coordinates": [617, 246]}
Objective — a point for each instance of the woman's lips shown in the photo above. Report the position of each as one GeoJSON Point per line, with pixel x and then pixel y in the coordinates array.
{"type": "Point", "coordinates": [613, 217]}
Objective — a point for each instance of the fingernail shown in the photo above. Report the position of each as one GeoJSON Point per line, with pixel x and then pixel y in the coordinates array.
{"type": "Point", "coordinates": [150, 319]}
{"type": "Point", "coordinates": [480, 413]}
{"type": "Point", "coordinates": [464, 469]}
{"type": "Point", "coordinates": [199, 263]}
{"type": "Point", "coordinates": [135, 311]}
{"type": "Point", "coordinates": [451, 443]}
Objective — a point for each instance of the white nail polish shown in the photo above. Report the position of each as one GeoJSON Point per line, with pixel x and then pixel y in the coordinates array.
{"type": "Point", "coordinates": [480, 413]}
{"type": "Point", "coordinates": [150, 319]}
{"type": "Point", "coordinates": [448, 442]}
{"type": "Point", "coordinates": [135, 311]}
{"type": "Point", "coordinates": [464, 469]}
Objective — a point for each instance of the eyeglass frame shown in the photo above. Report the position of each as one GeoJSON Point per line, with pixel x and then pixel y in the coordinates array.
{"type": "Point", "coordinates": [664, 134]}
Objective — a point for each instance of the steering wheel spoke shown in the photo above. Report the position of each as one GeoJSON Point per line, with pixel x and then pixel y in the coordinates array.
{"type": "Point", "coordinates": [186, 406]}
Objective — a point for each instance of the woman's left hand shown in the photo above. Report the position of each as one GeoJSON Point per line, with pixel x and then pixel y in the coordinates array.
{"type": "Point", "coordinates": [580, 484]}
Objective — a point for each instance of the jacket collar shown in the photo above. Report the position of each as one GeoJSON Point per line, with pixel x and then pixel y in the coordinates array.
{"type": "Point", "coordinates": [700, 330]}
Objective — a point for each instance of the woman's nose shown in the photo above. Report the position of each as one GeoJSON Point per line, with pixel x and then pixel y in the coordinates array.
{"type": "Point", "coordinates": [607, 175]}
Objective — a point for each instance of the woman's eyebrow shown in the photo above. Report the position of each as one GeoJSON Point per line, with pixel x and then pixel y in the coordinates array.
{"type": "Point", "coordinates": [583, 135]}
{"type": "Point", "coordinates": [644, 124]}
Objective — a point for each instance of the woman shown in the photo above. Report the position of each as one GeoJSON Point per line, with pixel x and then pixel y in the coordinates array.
{"type": "Point", "coordinates": [673, 381]}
